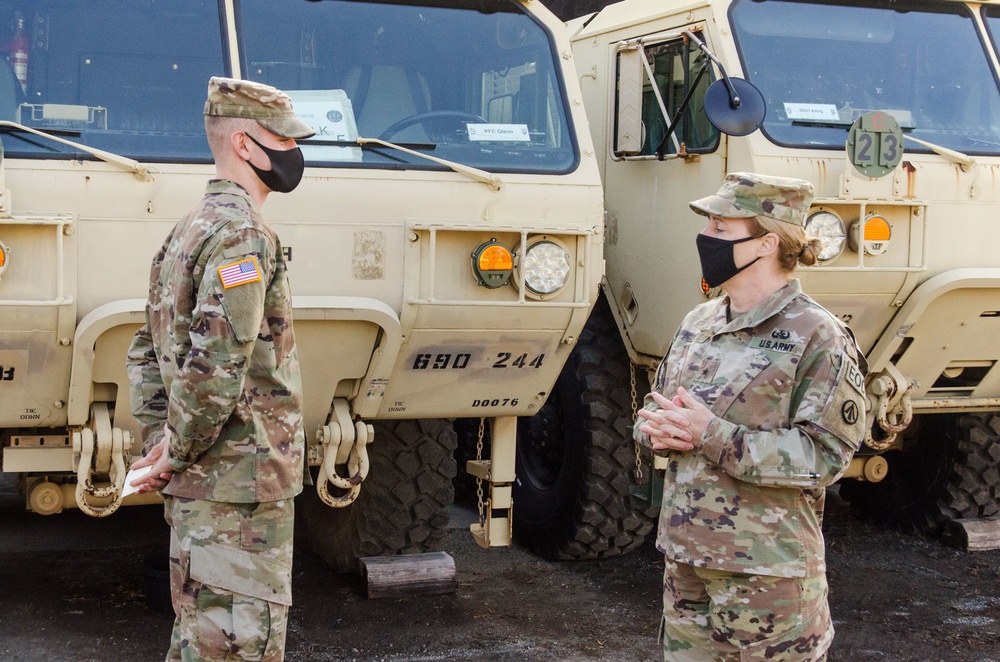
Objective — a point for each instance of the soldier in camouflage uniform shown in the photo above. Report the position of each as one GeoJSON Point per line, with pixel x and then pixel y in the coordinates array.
{"type": "Point", "coordinates": [217, 392]}
{"type": "Point", "coordinates": [758, 405]}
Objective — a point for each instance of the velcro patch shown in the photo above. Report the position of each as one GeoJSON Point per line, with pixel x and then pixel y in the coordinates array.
{"type": "Point", "coordinates": [844, 412]}
{"type": "Point", "coordinates": [239, 273]}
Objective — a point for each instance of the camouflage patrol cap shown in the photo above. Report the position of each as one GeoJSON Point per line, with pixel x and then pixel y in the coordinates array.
{"type": "Point", "coordinates": [272, 108]}
{"type": "Point", "coordinates": [746, 194]}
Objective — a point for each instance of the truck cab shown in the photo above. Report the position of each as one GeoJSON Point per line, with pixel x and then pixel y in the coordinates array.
{"type": "Point", "coordinates": [444, 246]}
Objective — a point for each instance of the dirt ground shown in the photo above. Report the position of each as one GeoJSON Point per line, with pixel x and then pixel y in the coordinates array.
{"type": "Point", "coordinates": [71, 588]}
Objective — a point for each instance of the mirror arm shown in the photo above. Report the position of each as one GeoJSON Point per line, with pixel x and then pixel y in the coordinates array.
{"type": "Point", "coordinates": [734, 98]}
{"type": "Point", "coordinates": [680, 111]}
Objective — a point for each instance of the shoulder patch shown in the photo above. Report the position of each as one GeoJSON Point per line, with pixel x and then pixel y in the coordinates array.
{"type": "Point", "coordinates": [239, 273]}
{"type": "Point", "coordinates": [844, 412]}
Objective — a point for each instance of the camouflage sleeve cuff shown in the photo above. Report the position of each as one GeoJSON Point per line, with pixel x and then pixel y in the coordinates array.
{"type": "Point", "coordinates": [177, 465]}
{"type": "Point", "coordinates": [151, 439]}
{"type": "Point", "coordinates": [716, 438]}
{"type": "Point", "coordinates": [638, 435]}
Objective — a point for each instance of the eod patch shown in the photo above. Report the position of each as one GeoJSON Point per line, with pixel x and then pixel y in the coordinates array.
{"type": "Point", "coordinates": [844, 414]}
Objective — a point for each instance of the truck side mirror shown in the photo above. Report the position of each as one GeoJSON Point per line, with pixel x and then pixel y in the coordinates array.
{"type": "Point", "coordinates": [628, 121]}
{"type": "Point", "coordinates": [734, 106]}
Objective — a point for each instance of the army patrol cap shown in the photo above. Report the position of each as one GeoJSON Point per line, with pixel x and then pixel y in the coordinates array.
{"type": "Point", "coordinates": [272, 108]}
{"type": "Point", "coordinates": [746, 194]}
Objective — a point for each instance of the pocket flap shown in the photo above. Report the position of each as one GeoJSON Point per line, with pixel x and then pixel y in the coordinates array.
{"type": "Point", "coordinates": [242, 572]}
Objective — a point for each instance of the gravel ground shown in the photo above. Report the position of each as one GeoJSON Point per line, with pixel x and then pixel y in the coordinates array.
{"type": "Point", "coordinates": [72, 589]}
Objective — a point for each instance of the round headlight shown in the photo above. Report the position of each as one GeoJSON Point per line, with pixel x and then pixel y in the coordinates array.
{"type": "Point", "coordinates": [545, 265]}
{"type": "Point", "coordinates": [829, 229]}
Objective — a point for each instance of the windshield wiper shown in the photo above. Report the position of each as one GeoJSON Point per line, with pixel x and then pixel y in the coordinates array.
{"type": "Point", "coordinates": [354, 143]}
{"type": "Point", "coordinates": [488, 178]}
{"type": "Point", "coordinates": [961, 159]}
{"type": "Point", "coordinates": [12, 128]}
{"type": "Point", "coordinates": [139, 170]}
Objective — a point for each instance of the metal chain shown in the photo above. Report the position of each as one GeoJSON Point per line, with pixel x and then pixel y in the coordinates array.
{"type": "Point", "coordinates": [479, 481]}
{"type": "Point", "coordinates": [635, 416]}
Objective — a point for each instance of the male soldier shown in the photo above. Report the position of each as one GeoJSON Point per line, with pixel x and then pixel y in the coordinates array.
{"type": "Point", "coordinates": [758, 405]}
{"type": "Point", "coordinates": [217, 392]}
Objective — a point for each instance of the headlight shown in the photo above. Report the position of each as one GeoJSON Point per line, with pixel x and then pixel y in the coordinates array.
{"type": "Point", "coordinates": [545, 265]}
{"type": "Point", "coordinates": [829, 229]}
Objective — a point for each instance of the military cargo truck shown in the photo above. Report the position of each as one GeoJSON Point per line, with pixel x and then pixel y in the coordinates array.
{"type": "Point", "coordinates": [444, 246]}
{"type": "Point", "coordinates": [892, 111]}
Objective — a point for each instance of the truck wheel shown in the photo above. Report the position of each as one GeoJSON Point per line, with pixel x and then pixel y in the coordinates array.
{"type": "Point", "coordinates": [575, 457]}
{"type": "Point", "coordinates": [403, 505]}
{"type": "Point", "coordinates": [951, 470]}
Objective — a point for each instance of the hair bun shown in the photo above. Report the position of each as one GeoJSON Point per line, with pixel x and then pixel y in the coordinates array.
{"type": "Point", "coordinates": [809, 255]}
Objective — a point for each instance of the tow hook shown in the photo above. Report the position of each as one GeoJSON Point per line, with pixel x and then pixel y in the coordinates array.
{"type": "Point", "coordinates": [893, 410]}
{"type": "Point", "coordinates": [343, 442]}
{"type": "Point", "coordinates": [101, 450]}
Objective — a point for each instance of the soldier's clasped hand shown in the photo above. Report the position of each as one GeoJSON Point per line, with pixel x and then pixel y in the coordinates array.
{"type": "Point", "coordinates": [679, 423]}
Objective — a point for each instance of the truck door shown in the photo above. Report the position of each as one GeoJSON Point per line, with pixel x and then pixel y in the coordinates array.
{"type": "Point", "coordinates": [644, 164]}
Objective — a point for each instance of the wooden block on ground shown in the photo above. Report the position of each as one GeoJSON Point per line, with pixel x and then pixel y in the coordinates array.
{"type": "Point", "coordinates": [431, 573]}
{"type": "Point", "coordinates": [974, 534]}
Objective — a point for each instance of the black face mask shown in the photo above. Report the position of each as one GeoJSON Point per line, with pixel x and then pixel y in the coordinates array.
{"type": "Point", "coordinates": [717, 262]}
{"type": "Point", "coordinates": [286, 170]}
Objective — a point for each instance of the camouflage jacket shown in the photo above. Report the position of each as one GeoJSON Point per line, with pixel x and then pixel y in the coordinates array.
{"type": "Point", "coordinates": [216, 358]}
{"type": "Point", "coordinates": [784, 383]}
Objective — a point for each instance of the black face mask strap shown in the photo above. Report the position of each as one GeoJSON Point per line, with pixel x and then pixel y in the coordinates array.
{"type": "Point", "coordinates": [286, 167]}
{"type": "Point", "coordinates": [745, 239]}
{"type": "Point", "coordinates": [751, 262]}
{"type": "Point", "coordinates": [266, 150]}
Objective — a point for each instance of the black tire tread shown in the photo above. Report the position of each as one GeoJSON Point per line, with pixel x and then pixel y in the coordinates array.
{"type": "Point", "coordinates": [604, 522]}
{"type": "Point", "coordinates": [952, 471]}
{"type": "Point", "coordinates": [403, 505]}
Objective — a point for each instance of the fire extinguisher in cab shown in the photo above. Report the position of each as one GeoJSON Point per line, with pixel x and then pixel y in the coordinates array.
{"type": "Point", "coordinates": [17, 51]}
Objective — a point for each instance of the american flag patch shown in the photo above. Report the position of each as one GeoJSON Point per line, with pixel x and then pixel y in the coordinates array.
{"type": "Point", "coordinates": [239, 273]}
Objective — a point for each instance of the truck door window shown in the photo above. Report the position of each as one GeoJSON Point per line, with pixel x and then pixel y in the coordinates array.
{"type": "Point", "coordinates": [991, 17]}
{"type": "Point", "coordinates": [821, 65]}
{"type": "Point", "coordinates": [675, 66]}
{"type": "Point", "coordinates": [472, 82]}
{"type": "Point", "coordinates": [125, 76]}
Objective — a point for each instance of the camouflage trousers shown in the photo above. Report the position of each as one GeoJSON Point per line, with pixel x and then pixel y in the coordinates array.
{"type": "Point", "coordinates": [230, 579]}
{"type": "Point", "coordinates": [717, 615]}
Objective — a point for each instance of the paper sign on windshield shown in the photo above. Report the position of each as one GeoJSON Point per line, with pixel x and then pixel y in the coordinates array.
{"type": "Point", "coordinates": [508, 132]}
{"type": "Point", "coordinates": [811, 111]}
{"type": "Point", "coordinates": [331, 116]}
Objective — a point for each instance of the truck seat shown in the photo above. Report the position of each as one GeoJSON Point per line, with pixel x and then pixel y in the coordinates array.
{"type": "Point", "coordinates": [381, 95]}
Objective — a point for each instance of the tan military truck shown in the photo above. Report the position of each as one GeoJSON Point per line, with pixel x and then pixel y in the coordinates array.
{"type": "Point", "coordinates": [892, 110]}
{"type": "Point", "coordinates": [445, 244]}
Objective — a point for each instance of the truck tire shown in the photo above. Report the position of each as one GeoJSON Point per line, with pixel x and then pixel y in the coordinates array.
{"type": "Point", "coordinates": [950, 471]}
{"type": "Point", "coordinates": [576, 457]}
{"type": "Point", "coordinates": [403, 504]}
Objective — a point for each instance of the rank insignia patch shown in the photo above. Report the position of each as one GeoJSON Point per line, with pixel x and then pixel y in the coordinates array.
{"type": "Point", "coordinates": [239, 273]}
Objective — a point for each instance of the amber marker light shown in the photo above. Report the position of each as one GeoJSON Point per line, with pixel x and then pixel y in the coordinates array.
{"type": "Point", "coordinates": [492, 264]}
{"type": "Point", "coordinates": [3, 257]}
{"type": "Point", "coordinates": [877, 235]}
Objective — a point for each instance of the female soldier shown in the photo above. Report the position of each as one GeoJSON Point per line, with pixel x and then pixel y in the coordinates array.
{"type": "Point", "coordinates": [758, 405]}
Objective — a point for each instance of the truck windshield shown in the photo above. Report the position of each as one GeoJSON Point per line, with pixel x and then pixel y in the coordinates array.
{"type": "Point", "coordinates": [125, 76]}
{"type": "Point", "coordinates": [472, 81]}
{"type": "Point", "coordinates": [822, 65]}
